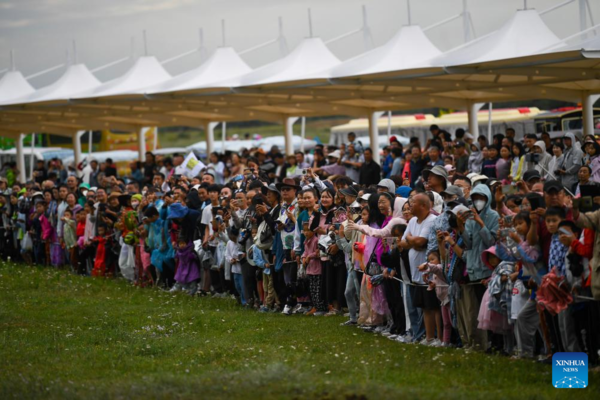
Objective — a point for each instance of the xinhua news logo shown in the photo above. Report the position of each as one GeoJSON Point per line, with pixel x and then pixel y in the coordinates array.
{"type": "Point", "coordinates": [570, 370]}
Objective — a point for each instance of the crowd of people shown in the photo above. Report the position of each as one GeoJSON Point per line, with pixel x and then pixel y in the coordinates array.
{"type": "Point", "coordinates": [456, 242]}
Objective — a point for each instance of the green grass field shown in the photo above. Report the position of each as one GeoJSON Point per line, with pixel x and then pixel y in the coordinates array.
{"type": "Point", "coordinates": [64, 336]}
{"type": "Point", "coordinates": [185, 136]}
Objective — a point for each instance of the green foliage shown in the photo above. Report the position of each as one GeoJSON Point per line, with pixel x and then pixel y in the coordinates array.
{"type": "Point", "coordinates": [64, 336]}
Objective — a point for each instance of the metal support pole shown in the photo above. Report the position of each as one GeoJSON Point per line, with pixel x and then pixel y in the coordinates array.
{"type": "Point", "coordinates": [490, 134]}
{"type": "Point", "coordinates": [289, 134]}
{"type": "Point", "coordinates": [142, 144]}
{"type": "Point", "coordinates": [588, 113]}
{"type": "Point", "coordinates": [374, 134]}
{"type": "Point", "coordinates": [21, 158]}
{"type": "Point", "coordinates": [389, 126]}
{"type": "Point", "coordinates": [77, 147]}
{"type": "Point", "coordinates": [209, 129]}
{"type": "Point", "coordinates": [302, 133]}
{"type": "Point", "coordinates": [32, 160]}
{"type": "Point", "coordinates": [472, 110]}
{"type": "Point", "coordinates": [224, 137]}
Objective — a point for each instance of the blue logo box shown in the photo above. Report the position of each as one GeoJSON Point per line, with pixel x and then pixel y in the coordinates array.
{"type": "Point", "coordinates": [570, 370]}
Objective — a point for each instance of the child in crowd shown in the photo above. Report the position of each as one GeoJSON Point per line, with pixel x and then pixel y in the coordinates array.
{"type": "Point", "coordinates": [100, 259]}
{"type": "Point", "coordinates": [494, 312]}
{"type": "Point", "coordinates": [437, 281]}
{"type": "Point", "coordinates": [40, 233]}
{"type": "Point", "coordinates": [82, 244]}
{"type": "Point", "coordinates": [312, 264]}
{"type": "Point", "coordinates": [70, 237]}
{"type": "Point", "coordinates": [188, 268]}
{"type": "Point", "coordinates": [488, 167]}
{"type": "Point", "coordinates": [270, 299]}
{"type": "Point", "coordinates": [234, 255]}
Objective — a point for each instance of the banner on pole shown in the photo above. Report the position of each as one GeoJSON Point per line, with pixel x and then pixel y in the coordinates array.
{"type": "Point", "coordinates": [190, 167]}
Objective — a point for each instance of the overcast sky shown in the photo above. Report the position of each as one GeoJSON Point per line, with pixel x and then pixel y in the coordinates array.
{"type": "Point", "coordinates": [40, 31]}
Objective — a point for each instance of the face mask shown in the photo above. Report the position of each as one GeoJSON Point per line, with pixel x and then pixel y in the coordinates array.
{"type": "Point", "coordinates": [134, 204]}
{"type": "Point", "coordinates": [479, 204]}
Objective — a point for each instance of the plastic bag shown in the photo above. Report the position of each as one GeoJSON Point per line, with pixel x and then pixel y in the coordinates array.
{"type": "Point", "coordinates": [27, 243]}
{"type": "Point", "coordinates": [127, 262]}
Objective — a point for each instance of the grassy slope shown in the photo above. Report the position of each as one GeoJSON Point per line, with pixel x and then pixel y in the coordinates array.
{"type": "Point", "coordinates": [64, 336]}
{"type": "Point", "coordinates": [179, 137]}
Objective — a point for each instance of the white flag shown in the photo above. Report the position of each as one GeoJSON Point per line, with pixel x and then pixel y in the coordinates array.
{"type": "Point", "coordinates": [190, 167]}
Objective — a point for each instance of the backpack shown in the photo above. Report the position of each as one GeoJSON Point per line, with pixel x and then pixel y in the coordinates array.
{"type": "Point", "coordinates": [264, 237]}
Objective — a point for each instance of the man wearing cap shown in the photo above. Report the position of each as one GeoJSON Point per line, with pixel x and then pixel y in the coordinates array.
{"type": "Point", "coordinates": [286, 224]}
{"type": "Point", "coordinates": [436, 179]}
{"type": "Point", "coordinates": [333, 168]}
{"type": "Point", "coordinates": [386, 185]}
{"type": "Point", "coordinates": [350, 194]}
{"type": "Point", "coordinates": [270, 212]}
{"type": "Point", "coordinates": [441, 224]}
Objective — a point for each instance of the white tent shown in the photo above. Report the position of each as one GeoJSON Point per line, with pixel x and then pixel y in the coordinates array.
{"type": "Point", "coordinates": [13, 86]}
{"type": "Point", "coordinates": [311, 58]}
{"type": "Point", "coordinates": [524, 34]}
{"type": "Point", "coordinates": [76, 79]}
{"type": "Point", "coordinates": [223, 64]}
{"type": "Point", "coordinates": [408, 48]}
{"type": "Point", "coordinates": [146, 71]}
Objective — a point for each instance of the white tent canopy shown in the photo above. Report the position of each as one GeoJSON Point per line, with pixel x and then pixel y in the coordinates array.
{"type": "Point", "coordinates": [311, 58]}
{"type": "Point", "coordinates": [524, 34]}
{"type": "Point", "coordinates": [13, 86]}
{"type": "Point", "coordinates": [75, 79]}
{"type": "Point", "coordinates": [223, 64]}
{"type": "Point", "coordinates": [408, 48]}
{"type": "Point", "coordinates": [146, 71]}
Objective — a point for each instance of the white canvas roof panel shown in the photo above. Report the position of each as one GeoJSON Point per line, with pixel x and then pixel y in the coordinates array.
{"type": "Point", "coordinates": [13, 86]}
{"type": "Point", "coordinates": [223, 64]}
{"type": "Point", "coordinates": [408, 48]}
{"type": "Point", "coordinates": [146, 71]}
{"type": "Point", "coordinates": [524, 34]}
{"type": "Point", "coordinates": [75, 79]}
{"type": "Point", "coordinates": [311, 58]}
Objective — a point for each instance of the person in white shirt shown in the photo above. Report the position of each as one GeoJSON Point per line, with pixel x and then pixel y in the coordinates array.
{"type": "Point", "coordinates": [415, 240]}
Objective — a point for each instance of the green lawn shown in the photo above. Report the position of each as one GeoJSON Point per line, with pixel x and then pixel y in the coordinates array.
{"type": "Point", "coordinates": [185, 136]}
{"type": "Point", "coordinates": [64, 336]}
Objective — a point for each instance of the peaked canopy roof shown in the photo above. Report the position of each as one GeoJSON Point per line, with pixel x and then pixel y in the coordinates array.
{"type": "Point", "coordinates": [13, 86]}
{"type": "Point", "coordinates": [310, 59]}
{"type": "Point", "coordinates": [524, 34]}
{"type": "Point", "coordinates": [146, 71]}
{"type": "Point", "coordinates": [223, 64]}
{"type": "Point", "coordinates": [408, 48]}
{"type": "Point", "coordinates": [75, 79]}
